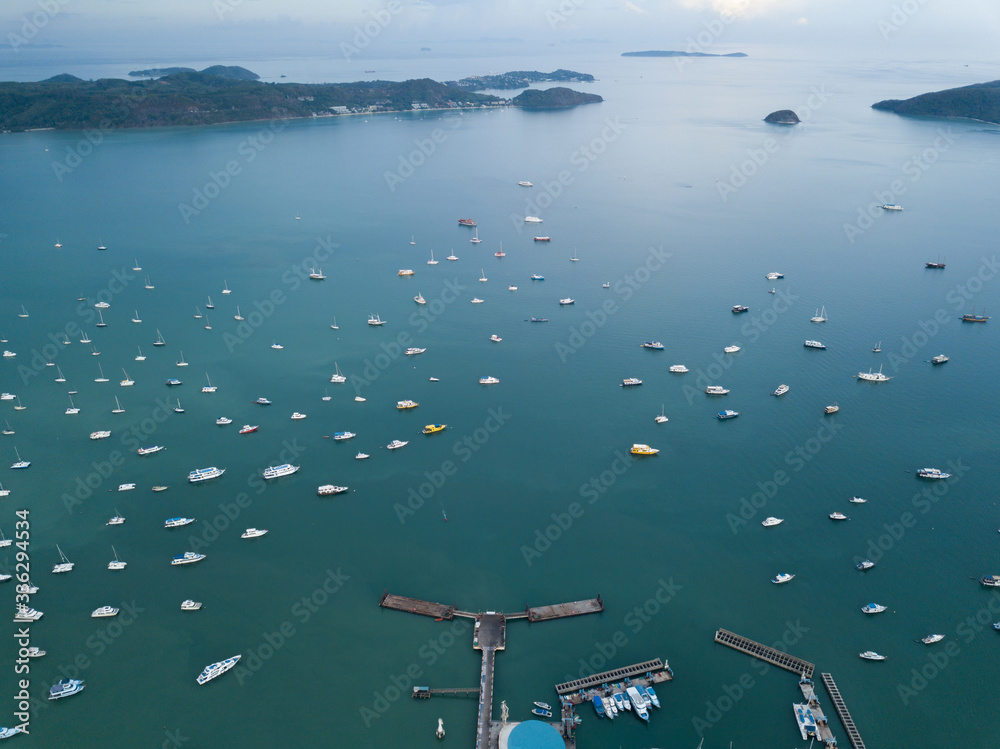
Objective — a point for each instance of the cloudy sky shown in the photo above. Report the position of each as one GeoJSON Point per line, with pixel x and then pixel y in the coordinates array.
{"type": "Point", "coordinates": [907, 29]}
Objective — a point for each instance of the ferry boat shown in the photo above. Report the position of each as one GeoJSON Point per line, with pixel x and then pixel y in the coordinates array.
{"type": "Point", "coordinates": [891, 207]}
{"type": "Point", "coordinates": [177, 522]}
{"type": "Point", "coordinates": [261, 401]}
{"type": "Point", "coordinates": [679, 369]}
{"type": "Point", "coordinates": [738, 308]}
{"type": "Point", "coordinates": [317, 275]}
{"type": "Point", "coordinates": [873, 608]}
{"type": "Point", "coordinates": [631, 382]}
{"type": "Point", "coordinates": [223, 421]}
{"type": "Point", "coordinates": [466, 222]}
{"type": "Point", "coordinates": [783, 577]}
{"type": "Point", "coordinates": [403, 405]}
{"type": "Point", "coordinates": [974, 317]}
{"type": "Point", "coordinates": [536, 277]}
{"type": "Point", "coordinates": [640, 449]}
{"type": "Point", "coordinates": [727, 414]}
{"type": "Point", "coordinates": [249, 428]}
{"type": "Point", "coordinates": [104, 611]}
{"type": "Point", "coordinates": [495, 338]}
{"type": "Point", "coordinates": [870, 376]}
{"type": "Point", "coordinates": [375, 320]}
{"type": "Point", "coordinates": [253, 533]}
{"type": "Point", "coordinates": [276, 472]}
{"type": "Point", "coordinates": [64, 566]}
{"type": "Point", "coordinates": [488, 380]}
{"type": "Point", "coordinates": [543, 239]}
{"type": "Point", "coordinates": [814, 344]}
{"type": "Point", "coordinates": [27, 614]}
{"type": "Point", "coordinates": [405, 272]}
{"type": "Point", "coordinates": [149, 450]}
{"type": "Point", "coordinates": [532, 220]}
{"type": "Point", "coordinates": [655, 345]}
{"type": "Point", "coordinates": [931, 639]}
{"type": "Point", "coordinates": [932, 473]}
{"type": "Point", "coordinates": [731, 349]}
{"type": "Point", "coordinates": [864, 565]}
{"type": "Point", "coordinates": [566, 301]}
{"type": "Point", "coordinates": [66, 687]}
{"type": "Point", "coordinates": [205, 474]}
{"type": "Point", "coordinates": [716, 390]}
{"type": "Point", "coordinates": [188, 557]}
{"type": "Point", "coordinates": [772, 521]}
{"type": "Point", "coordinates": [328, 489]}
{"type": "Point", "coordinates": [215, 670]}
{"type": "Point", "coordinates": [433, 428]}
{"type": "Point", "coordinates": [871, 655]}
{"type": "Point", "coordinates": [780, 390]}
{"type": "Point", "coordinates": [337, 377]}
{"type": "Point", "coordinates": [396, 444]}
{"type": "Point", "coordinates": [338, 436]}
{"type": "Point", "coordinates": [838, 516]}
{"type": "Point", "coordinates": [100, 435]}
{"type": "Point", "coordinates": [939, 359]}
{"type": "Point", "coordinates": [189, 605]}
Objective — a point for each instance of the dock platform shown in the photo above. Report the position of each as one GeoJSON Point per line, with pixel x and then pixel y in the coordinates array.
{"type": "Point", "coordinates": [416, 606]}
{"type": "Point", "coordinates": [765, 653]}
{"type": "Point", "coordinates": [646, 674]}
{"type": "Point", "coordinates": [823, 731]}
{"type": "Point", "coordinates": [562, 610]}
{"type": "Point", "coordinates": [845, 716]}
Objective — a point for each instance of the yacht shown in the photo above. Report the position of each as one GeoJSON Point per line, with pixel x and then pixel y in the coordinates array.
{"type": "Point", "coordinates": [328, 489]}
{"type": "Point", "coordinates": [873, 608]}
{"type": "Point", "coordinates": [525, 183]}
{"type": "Point", "coordinates": [253, 533]}
{"type": "Point", "coordinates": [489, 380]}
{"type": "Point", "coordinates": [64, 566]}
{"type": "Point", "coordinates": [939, 265]}
{"type": "Point", "coordinates": [160, 488]}
{"type": "Point", "coordinates": [857, 500]}
{"type": "Point", "coordinates": [820, 316]}
{"type": "Point", "coordinates": [7, 431]}
{"type": "Point", "coordinates": [432, 261]}
{"type": "Point", "coordinates": [7, 354]}
{"type": "Point", "coordinates": [939, 359]}
{"type": "Point", "coordinates": [477, 300]}
{"type": "Point", "coordinates": [932, 473]}
{"type": "Point", "coordinates": [781, 390]}
{"type": "Point", "coordinates": [412, 239]}
{"type": "Point", "coordinates": [19, 464]}
{"type": "Point", "coordinates": [26, 614]}
{"type": "Point", "coordinates": [870, 376]}
{"type": "Point", "coordinates": [159, 339]}
{"type": "Point", "coordinates": [606, 285]}
{"type": "Point", "coordinates": [654, 345]}
{"type": "Point", "coordinates": [140, 356]}
{"type": "Point", "coordinates": [396, 444]}
{"type": "Point", "coordinates": [34, 652]}
{"type": "Point", "coordinates": [864, 564]}
{"type": "Point", "coordinates": [838, 516]}
{"type": "Point", "coordinates": [337, 376]}
{"type": "Point", "coordinates": [772, 521]}
{"type": "Point", "coordinates": [574, 259]}
{"type": "Point", "coordinates": [316, 275]}
{"type": "Point", "coordinates": [511, 287]}
{"type": "Point", "coordinates": [871, 655]}
{"type": "Point", "coordinates": [188, 604]}
{"type": "Point", "coordinates": [405, 404]}
{"type": "Point", "coordinates": [474, 240]}
{"type": "Point", "coordinates": [727, 414]}
{"type": "Point", "coordinates": [261, 401]}
{"type": "Point", "coordinates": [537, 277]}
{"type": "Point", "coordinates": [495, 338]}
{"type": "Point", "coordinates": [128, 381]}
{"type": "Point", "coordinates": [117, 519]}
{"type": "Point", "coordinates": [433, 428]}
{"type": "Point", "coordinates": [341, 436]}
{"type": "Point", "coordinates": [738, 308]}
{"type": "Point", "coordinates": [361, 456]}
{"type": "Point", "coordinates": [177, 522]}
{"type": "Point", "coordinates": [831, 409]}
{"type": "Point", "coordinates": [732, 349]}
{"type": "Point", "coordinates": [405, 272]}
{"type": "Point", "coordinates": [174, 382]}
{"type": "Point", "coordinates": [891, 207]}
{"type": "Point", "coordinates": [419, 298]}
{"type": "Point", "coordinates": [209, 388]}
{"type": "Point", "coordinates": [990, 581]}
{"type": "Point", "coordinates": [631, 382]}
{"type": "Point", "coordinates": [67, 687]}
{"type": "Point", "coordinates": [149, 450]}
{"type": "Point", "coordinates": [126, 487]}
{"type": "Point", "coordinates": [716, 390]}
{"type": "Point", "coordinates": [662, 418]}
{"type": "Point", "coordinates": [638, 703]}
{"type": "Point", "coordinates": [375, 320]}
{"type": "Point", "coordinates": [783, 577]}
{"type": "Point", "coordinates": [277, 346]}
{"type": "Point", "coordinates": [188, 557]}
{"type": "Point", "coordinates": [149, 284]}
{"type": "Point", "coordinates": [214, 670]}
{"type": "Point", "coordinates": [136, 318]}
{"type": "Point", "coordinates": [566, 301]}
{"type": "Point", "coordinates": [100, 435]}
{"type": "Point", "coordinates": [104, 611]}
{"type": "Point", "coordinates": [532, 220]}
{"type": "Point", "coordinates": [276, 472]}
{"type": "Point", "coordinates": [773, 276]}
{"type": "Point", "coordinates": [482, 276]}
{"type": "Point", "coordinates": [679, 369]}
{"type": "Point", "coordinates": [4, 541]}
{"type": "Point", "coordinates": [814, 344]}
{"type": "Point", "coordinates": [225, 288]}
{"type": "Point", "coordinates": [931, 639]}
{"type": "Point", "coordinates": [205, 474]}
{"type": "Point", "coordinates": [640, 449]}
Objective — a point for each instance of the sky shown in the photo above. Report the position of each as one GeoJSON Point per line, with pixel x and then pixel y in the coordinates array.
{"type": "Point", "coordinates": [224, 29]}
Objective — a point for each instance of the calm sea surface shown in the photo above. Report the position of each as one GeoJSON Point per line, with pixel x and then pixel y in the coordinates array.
{"type": "Point", "coordinates": [673, 192]}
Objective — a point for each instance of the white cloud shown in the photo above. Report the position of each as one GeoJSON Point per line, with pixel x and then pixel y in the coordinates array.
{"type": "Point", "coordinates": [738, 8]}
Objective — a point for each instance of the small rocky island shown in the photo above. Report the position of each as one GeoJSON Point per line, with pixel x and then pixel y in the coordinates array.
{"type": "Point", "coordinates": [980, 101]}
{"type": "Point", "coordinates": [553, 98]}
{"type": "Point", "coordinates": [783, 117]}
{"type": "Point", "coordinates": [674, 53]}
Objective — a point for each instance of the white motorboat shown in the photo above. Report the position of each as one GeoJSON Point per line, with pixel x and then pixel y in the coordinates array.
{"type": "Point", "coordinates": [870, 376]}
{"type": "Point", "coordinates": [932, 473]}
{"type": "Point", "coordinates": [223, 421]}
{"type": "Point", "coordinates": [781, 390]}
{"type": "Point", "coordinates": [489, 380]}
{"type": "Point", "coordinates": [931, 639]}
{"type": "Point", "coordinates": [298, 416]}
{"type": "Point", "coordinates": [532, 220]}
{"type": "Point", "coordinates": [873, 608]}
{"type": "Point", "coordinates": [177, 522]}
{"type": "Point", "coordinates": [253, 533]}
{"type": "Point", "coordinates": [277, 472]}
{"type": "Point", "coordinates": [104, 611]}
{"type": "Point", "coordinates": [679, 369]}
{"type": "Point", "coordinates": [814, 344]}
{"type": "Point", "coordinates": [871, 655]}
{"type": "Point", "coordinates": [190, 605]}
{"type": "Point", "coordinates": [495, 338]}
{"type": "Point", "coordinates": [732, 349]}
{"type": "Point", "coordinates": [716, 390]}
{"type": "Point", "coordinates": [772, 521]}
{"type": "Point", "coordinates": [396, 444]}
{"type": "Point", "coordinates": [838, 516]}
{"type": "Point", "coordinates": [419, 298]}
{"type": "Point", "coordinates": [361, 456]}
{"type": "Point", "coordinates": [188, 557]}
{"type": "Point", "coordinates": [781, 578]}
{"type": "Point", "coordinates": [329, 489]}
{"type": "Point", "coordinates": [857, 500]}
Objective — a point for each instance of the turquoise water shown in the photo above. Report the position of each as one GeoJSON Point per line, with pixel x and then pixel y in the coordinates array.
{"type": "Point", "coordinates": [632, 188]}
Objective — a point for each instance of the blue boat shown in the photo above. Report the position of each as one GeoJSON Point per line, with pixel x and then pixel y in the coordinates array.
{"type": "Point", "coordinates": [722, 415]}
{"type": "Point", "coordinates": [536, 277]}
{"type": "Point", "coordinates": [66, 688]}
{"type": "Point", "coordinates": [598, 706]}
{"type": "Point", "coordinates": [543, 713]}
{"type": "Point", "coordinates": [651, 696]}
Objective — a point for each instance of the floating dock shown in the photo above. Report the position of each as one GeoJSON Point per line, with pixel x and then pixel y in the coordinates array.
{"type": "Point", "coordinates": [416, 606]}
{"type": "Point", "coordinates": [765, 653]}
{"type": "Point", "coordinates": [562, 610]}
{"type": "Point", "coordinates": [646, 673]}
{"type": "Point", "coordinates": [823, 731]}
{"type": "Point", "coordinates": [842, 712]}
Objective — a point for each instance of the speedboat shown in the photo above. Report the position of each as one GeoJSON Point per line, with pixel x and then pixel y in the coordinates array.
{"type": "Point", "coordinates": [772, 521]}
{"type": "Point", "coordinates": [814, 344]}
{"type": "Point", "coordinates": [543, 705]}
{"type": "Point", "coordinates": [328, 489]}
{"type": "Point", "coordinates": [223, 421]}
{"type": "Point", "coordinates": [679, 369]}
{"type": "Point", "coordinates": [640, 449]}
{"type": "Point", "coordinates": [126, 487]}
{"type": "Point", "coordinates": [403, 405]}
{"type": "Point", "coordinates": [339, 436]}
{"type": "Point", "coordinates": [873, 608]}
{"type": "Point", "coordinates": [838, 516]}
{"type": "Point", "coordinates": [631, 382]}
{"type": "Point", "coordinates": [477, 300]}
{"type": "Point", "coordinates": [205, 474]}
{"type": "Point", "coordinates": [931, 639]}
{"type": "Point", "coordinates": [217, 669]}
{"type": "Point", "coordinates": [871, 655]}
{"type": "Point", "coordinates": [655, 345]}
{"type": "Point", "coordinates": [738, 308]}
{"type": "Point", "coordinates": [732, 349]}
{"type": "Point", "coordinates": [34, 652]}
{"type": "Point", "coordinates": [939, 359]}
{"type": "Point", "coordinates": [781, 390]}
{"type": "Point", "coordinates": [539, 319]}
{"type": "Point", "coordinates": [149, 450]}
{"type": "Point", "coordinates": [66, 688]}
{"type": "Point", "coordinates": [249, 428]}
{"type": "Point", "coordinates": [396, 444]}
{"type": "Point", "coordinates": [277, 346]}
{"type": "Point", "coordinates": [495, 338]}
{"type": "Point", "coordinates": [188, 557]}
{"type": "Point", "coordinates": [536, 277]}
{"type": "Point", "coordinates": [870, 376]}
{"type": "Point", "coordinates": [174, 382]}
{"type": "Point", "coordinates": [276, 472]}
{"type": "Point", "coordinates": [104, 611]}
{"type": "Point", "coordinates": [253, 533]}
{"type": "Point", "coordinates": [542, 713]}
{"type": "Point", "coordinates": [362, 456]}
{"type": "Point", "coordinates": [189, 605]}
{"type": "Point", "coordinates": [727, 414]}
{"type": "Point", "coordinates": [857, 500]}
{"type": "Point", "coordinates": [773, 276]}
{"type": "Point", "coordinates": [784, 577]}
{"type": "Point", "coordinates": [990, 581]}
{"type": "Point", "coordinates": [298, 416]}
{"type": "Point", "coordinates": [488, 380]}
{"type": "Point", "coordinates": [864, 564]}
{"type": "Point", "coordinates": [433, 428]}
{"type": "Point", "coordinates": [932, 473]}
{"type": "Point", "coordinates": [177, 522]}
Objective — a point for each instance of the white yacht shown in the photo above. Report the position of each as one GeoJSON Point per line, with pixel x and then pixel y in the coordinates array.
{"type": "Point", "coordinates": [223, 421]}
{"type": "Point", "coordinates": [64, 566]}
{"type": "Point", "coordinates": [532, 220]}
{"type": "Point", "coordinates": [362, 456]}
{"type": "Point", "coordinates": [495, 338]}
{"type": "Point", "coordinates": [177, 522]}
{"type": "Point", "coordinates": [414, 351]}
{"type": "Point", "coordinates": [781, 390]}
{"type": "Point", "coordinates": [341, 436]}
{"type": "Point", "coordinates": [337, 376]}
{"type": "Point", "coordinates": [477, 300]}
{"type": "Point", "coordinates": [871, 655]}
{"type": "Point", "coordinates": [931, 639]}
{"type": "Point", "coordinates": [188, 557]}
{"type": "Point", "coordinates": [772, 521]}
{"type": "Point", "coordinates": [814, 344]}
{"type": "Point", "coordinates": [716, 390]}
{"type": "Point", "coordinates": [870, 376]}
{"type": "Point", "coordinates": [873, 608]}
{"type": "Point", "coordinates": [276, 472]}
{"type": "Point", "coordinates": [328, 489]}
{"type": "Point", "coordinates": [820, 316]}
{"type": "Point", "coordinates": [783, 577]}
{"type": "Point", "coordinates": [26, 614]}
{"type": "Point", "coordinates": [489, 380]}
{"type": "Point", "coordinates": [932, 473]}
{"type": "Point", "coordinates": [277, 346]}
{"type": "Point", "coordinates": [679, 369]}
{"type": "Point", "coordinates": [102, 434]}
{"type": "Point", "coordinates": [732, 349]}
{"type": "Point", "coordinates": [253, 533]}
{"type": "Point", "coordinates": [298, 416]}
{"type": "Point", "coordinates": [396, 444]}
{"type": "Point", "coordinates": [189, 605]}
{"type": "Point", "coordinates": [104, 611]}
{"type": "Point", "coordinates": [524, 183]}
{"type": "Point", "coordinates": [214, 670]}
{"type": "Point", "coordinates": [205, 474]}
{"type": "Point", "coordinates": [838, 516]}
{"type": "Point", "coordinates": [567, 301]}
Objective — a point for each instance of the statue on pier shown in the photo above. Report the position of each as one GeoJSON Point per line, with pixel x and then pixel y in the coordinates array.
{"type": "Point", "coordinates": [504, 711]}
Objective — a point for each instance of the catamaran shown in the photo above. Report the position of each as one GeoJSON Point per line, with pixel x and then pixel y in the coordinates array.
{"type": "Point", "coordinates": [65, 565]}
{"type": "Point", "coordinates": [209, 388]}
{"type": "Point", "coordinates": [337, 376]}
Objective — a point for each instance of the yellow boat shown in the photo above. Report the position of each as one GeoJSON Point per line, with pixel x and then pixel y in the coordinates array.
{"type": "Point", "coordinates": [432, 428]}
{"type": "Point", "coordinates": [406, 404]}
{"type": "Point", "coordinates": [638, 449]}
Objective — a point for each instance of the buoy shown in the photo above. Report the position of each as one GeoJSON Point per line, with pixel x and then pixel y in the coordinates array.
{"type": "Point", "coordinates": [440, 730]}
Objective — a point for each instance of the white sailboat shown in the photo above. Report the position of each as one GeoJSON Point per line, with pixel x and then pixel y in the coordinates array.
{"type": "Point", "coordinates": [61, 377]}
{"type": "Point", "coordinates": [482, 277]}
{"type": "Point", "coordinates": [117, 564]}
{"type": "Point", "coordinates": [335, 326]}
{"type": "Point", "coordinates": [118, 407]}
{"type": "Point", "coordinates": [197, 313]}
{"type": "Point", "coordinates": [72, 410]}
{"type": "Point", "coordinates": [238, 316]}
{"type": "Point", "coordinates": [149, 284]}
{"type": "Point", "coordinates": [102, 378]}
{"type": "Point", "coordinates": [453, 257]}
{"type": "Point", "coordinates": [137, 267]}
{"type": "Point", "coordinates": [23, 312]}
{"type": "Point", "coordinates": [100, 322]}
{"type": "Point", "coordinates": [20, 463]}
{"type": "Point", "coordinates": [412, 240]}
{"type": "Point", "coordinates": [210, 388]}
{"type": "Point", "coordinates": [128, 381]}
{"type": "Point", "coordinates": [65, 565]}
{"type": "Point", "coordinates": [820, 316]}
{"type": "Point", "coordinates": [140, 357]}
{"type": "Point", "coordinates": [181, 362]}
{"type": "Point", "coordinates": [878, 347]}
{"type": "Point", "coordinates": [208, 304]}
{"type": "Point", "coordinates": [159, 339]}
{"type": "Point", "coordinates": [136, 318]}
{"type": "Point", "coordinates": [476, 239]}
{"type": "Point", "coordinates": [19, 407]}
{"type": "Point", "coordinates": [208, 325]}
{"type": "Point", "coordinates": [337, 377]}
{"type": "Point", "coordinates": [432, 261]}
{"type": "Point", "coordinates": [84, 338]}
{"type": "Point", "coordinates": [225, 288]}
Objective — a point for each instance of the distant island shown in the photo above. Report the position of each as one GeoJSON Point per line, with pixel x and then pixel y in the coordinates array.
{"type": "Point", "coordinates": [783, 117]}
{"type": "Point", "coordinates": [673, 53]}
{"type": "Point", "coordinates": [234, 72]}
{"type": "Point", "coordinates": [65, 102]}
{"type": "Point", "coordinates": [980, 101]}
{"type": "Point", "coordinates": [520, 79]}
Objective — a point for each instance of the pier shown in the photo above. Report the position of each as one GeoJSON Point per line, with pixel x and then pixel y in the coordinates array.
{"type": "Point", "coordinates": [842, 712]}
{"type": "Point", "coordinates": [823, 731]}
{"type": "Point", "coordinates": [425, 693]}
{"type": "Point", "coordinates": [561, 610]}
{"type": "Point", "coordinates": [765, 653]}
{"type": "Point", "coordinates": [416, 606]}
{"type": "Point", "coordinates": [646, 673]}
